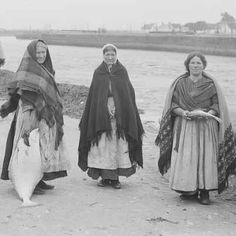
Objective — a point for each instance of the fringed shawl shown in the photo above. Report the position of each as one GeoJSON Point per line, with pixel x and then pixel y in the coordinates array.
{"type": "Point", "coordinates": [36, 85]}
{"type": "Point", "coordinates": [95, 119]}
{"type": "Point", "coordinates": [226, 149]}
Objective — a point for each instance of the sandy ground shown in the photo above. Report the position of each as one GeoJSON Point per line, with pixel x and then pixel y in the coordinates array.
{"type": "Point", "coordinates": [144, 206]}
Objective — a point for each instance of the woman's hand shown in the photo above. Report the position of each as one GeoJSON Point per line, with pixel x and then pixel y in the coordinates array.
{"type": "Point", "coordinates": [199, 114]}
{"type": "Point", "coordinates": [180, 112]}
{"type": "Point", "coordinates": [3, 110]}
{"type": "Point", "coordinates": [112, 112]}
{"type": "Point", "coordinates": [25, 136]}
{"type": "Point", "coordinates": [185, 115]}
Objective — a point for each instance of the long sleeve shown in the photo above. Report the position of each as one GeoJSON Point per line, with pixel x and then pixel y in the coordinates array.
{"type": "Point", "coordinates": [10, 105]}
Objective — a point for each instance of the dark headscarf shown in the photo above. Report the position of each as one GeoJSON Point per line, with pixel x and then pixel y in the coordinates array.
{"type": "Point", "coordinates": [31, 48]}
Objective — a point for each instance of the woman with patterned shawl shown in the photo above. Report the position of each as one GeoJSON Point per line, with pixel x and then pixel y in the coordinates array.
{"type": "Point", "coordinates": [196, 137]}
{"type": "Point", "coordinates": [35, 98]}
{"type": "Point", "coordinates": [110, 129]}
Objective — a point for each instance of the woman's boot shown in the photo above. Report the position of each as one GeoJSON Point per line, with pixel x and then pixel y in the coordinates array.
{"type": "Point", "coordinates": [116, 184]}
{"type": "Point", "coordinates": [103, 182]}
{"type": "Point", "coordinates": [204, 197]}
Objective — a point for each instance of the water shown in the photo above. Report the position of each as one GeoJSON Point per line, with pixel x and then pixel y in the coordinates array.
{"type": "Point", "coordinates": [151, 72]}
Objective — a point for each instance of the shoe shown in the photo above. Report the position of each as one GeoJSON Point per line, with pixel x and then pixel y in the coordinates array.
{"type": "Point", "coordinates": [204, 197]}
{"type": "Point", "coordinates": [38, 191]}
{"type": "Point", "coordinates": [116, 184]}
{"type": "Point", "coordinates": [103, 182]}
{"type": "Point", "coordinates": [45, 186]}
{"type": "Point", "coordinates": [189, 197]}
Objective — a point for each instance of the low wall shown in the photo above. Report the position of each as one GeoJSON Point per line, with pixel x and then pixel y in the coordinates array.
{"type": "Point", "coordinates": [223, 46]}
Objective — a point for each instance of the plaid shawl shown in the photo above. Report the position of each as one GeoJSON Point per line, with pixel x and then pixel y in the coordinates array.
{"type": "Point", "coordinates": [36, 85]}
{"type": "Point", "coordinates": [226, 149]}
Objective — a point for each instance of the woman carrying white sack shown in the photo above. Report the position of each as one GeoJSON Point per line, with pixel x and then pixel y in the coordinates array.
{"type": "Point", "coordinates": [36, 99]}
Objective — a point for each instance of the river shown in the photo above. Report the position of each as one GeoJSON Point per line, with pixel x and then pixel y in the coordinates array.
{"type": "Point", "coordinates": [151, 72]}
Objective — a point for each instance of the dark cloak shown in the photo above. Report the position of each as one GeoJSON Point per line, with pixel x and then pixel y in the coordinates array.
{"type": "Point", "coordinates": [95, 119]}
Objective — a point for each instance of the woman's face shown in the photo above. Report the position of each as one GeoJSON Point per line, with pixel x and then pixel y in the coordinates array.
{"type": "Point", "coordinates": [110, 57]}
{"type": "Point", "coordinates": [41, 53]}
{"type": "Point", "coordinates": [196, 66]}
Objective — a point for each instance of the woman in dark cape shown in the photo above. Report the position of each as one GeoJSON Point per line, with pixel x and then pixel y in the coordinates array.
{"type": "Point", "coordinates": [110, 129]}
{"type": "Point", "coordinates": [34, 92]}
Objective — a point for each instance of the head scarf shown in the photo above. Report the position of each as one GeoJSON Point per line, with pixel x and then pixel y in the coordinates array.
{"type": "Point", "coordinates": [108, 47]}
{"type": "Point", "coordinates": [31, 49]}
{"type": "Point", "coordinates": [40, 43]}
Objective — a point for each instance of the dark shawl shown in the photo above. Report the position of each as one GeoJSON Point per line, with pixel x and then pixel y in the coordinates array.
{"type": "Point", "coordinates": [95, 119]}
{"type": "Point", "coordinates": [226, 149]}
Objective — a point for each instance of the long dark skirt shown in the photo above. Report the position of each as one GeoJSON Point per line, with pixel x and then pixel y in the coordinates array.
{"type": "Point", "coordinates": [95, 173]}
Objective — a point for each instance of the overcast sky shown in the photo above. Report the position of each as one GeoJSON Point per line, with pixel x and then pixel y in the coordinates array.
{"type": "Point", "coordinates": [111, 14]}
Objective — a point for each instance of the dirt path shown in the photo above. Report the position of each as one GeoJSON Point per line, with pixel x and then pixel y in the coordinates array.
{"type": "Point", "coordinates": [144, 206]}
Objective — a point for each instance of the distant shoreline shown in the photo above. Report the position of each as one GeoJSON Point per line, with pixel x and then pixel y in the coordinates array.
{"type": "Point", "coordinates": [210, 45]}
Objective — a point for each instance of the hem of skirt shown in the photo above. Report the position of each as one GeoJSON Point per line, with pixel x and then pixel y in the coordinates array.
{"type": "Point", "coordinates": [197, 189]}
{"type": "Point", "coordinates": [54, 175]}
{"type": "Point", "coordinates": [5, 177]}
{"type": "Point", "coordinates": [95, 173]}
{"type": "Point", "coordinates": [46, 175]}
{"type": "Point", "coordinates": [210, 189]}
{"type": "Point", "coordinates": [109, 168]}
{"type": "Point", "coordinates": [55, 168]}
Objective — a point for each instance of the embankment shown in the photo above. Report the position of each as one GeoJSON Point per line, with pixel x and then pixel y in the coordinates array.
{"type": "Point", "coordinates": [212, 45]}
